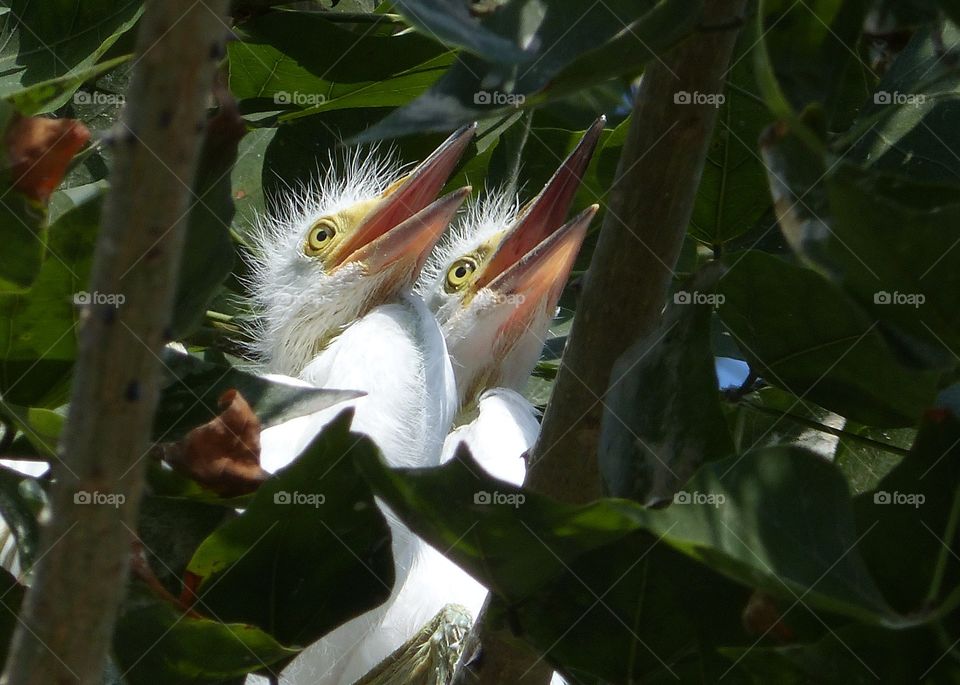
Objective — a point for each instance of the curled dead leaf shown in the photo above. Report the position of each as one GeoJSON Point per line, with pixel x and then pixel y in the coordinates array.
{"type": "Point", "coordinates": [223, 455]}
{"type": "Point", "coordinates": [39, 151]}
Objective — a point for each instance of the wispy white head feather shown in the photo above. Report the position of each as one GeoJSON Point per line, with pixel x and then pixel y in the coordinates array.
{"type": "Point", "coordinates": [298, 306]}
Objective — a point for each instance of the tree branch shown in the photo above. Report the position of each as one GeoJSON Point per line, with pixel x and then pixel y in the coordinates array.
{"type": "Point", "coordinates": [650, 207]}
{"type": "Point", "coordinates": [68, 615]}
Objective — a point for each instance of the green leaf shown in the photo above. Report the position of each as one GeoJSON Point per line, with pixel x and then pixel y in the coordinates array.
{"type": "Point", "coordinates": [42, 427]}
{"type": "Point", "coordinates": [850, 654]}
{"type": "Point", "coordinates": [190, 394]}
{"type": "Point", "coordinates": [311, 550]}
{"type": "Point", "coordinates": [208, 251]}
{"type": "Point", "coordinates": [37, 338]}
{"type": "Point", "coordinates": [59, 38]}
{"type": "Point", "coordinates": [662, 416]}
{"type": "Point", "coordinates": [732, 195]}
{"type": "Point", "coordinates": [801, 333]}
{"type": "Point", "coordinates": [450, 22]}
{"type": "Point", "coordinates": [912, 516]}
{"type": "Point", "coordinates": [555, 36]}
{"type": "Point", "coordinates": [779, 519]}
{"type": "Point", "coordinates": [156, 644]}
{"type": "Point", "coordinates": [816, 54]}
{"type": "Point", "coordinates": [47, 95]}
{"type": "Point", "coordinates": [906, 126]}
{"type": "Point", "coordinates": [277, 65]}
{"type": "Point", "coordinates": [23, 229]}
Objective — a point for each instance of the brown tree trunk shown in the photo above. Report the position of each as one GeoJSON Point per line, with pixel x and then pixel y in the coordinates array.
{"type": "Point", "coordinates": [646, 221]}
{"type": "Point", "coordinates": [67, 618]}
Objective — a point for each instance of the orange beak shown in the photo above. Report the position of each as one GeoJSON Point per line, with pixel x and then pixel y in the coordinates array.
{"type": "Point", "coordinates": [541, 216]}
{"type": "Point", "coordinates": [406, 197]}
{"type": "Point", "coordinates": [542, 272]}
{"type": "Point", "coordinates": [412, 240]}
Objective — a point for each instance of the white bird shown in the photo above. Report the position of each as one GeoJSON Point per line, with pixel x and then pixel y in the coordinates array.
{"type": "Point", "coordinates": [332, 284]}
{"type": "Point", "coordinates": [494, 287]}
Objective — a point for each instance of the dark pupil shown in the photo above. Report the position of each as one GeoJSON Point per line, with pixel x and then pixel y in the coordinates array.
{"type": "Point", "coordinates": [322, 235]}
{"type": "Point", "coordinates": [461, 271]}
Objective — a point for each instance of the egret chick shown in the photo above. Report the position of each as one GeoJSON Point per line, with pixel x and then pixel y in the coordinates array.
{"type": "Point", "coordinates": [333, 290]}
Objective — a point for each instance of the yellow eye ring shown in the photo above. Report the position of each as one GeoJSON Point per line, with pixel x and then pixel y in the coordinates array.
{"type": "Point", "coordinates": [320, 237]}
{"type": "Point", "coordinates": [460, 272]}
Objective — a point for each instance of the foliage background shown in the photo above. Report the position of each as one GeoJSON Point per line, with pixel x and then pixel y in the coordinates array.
{"type": "Point", "coordinates": [817, 537]}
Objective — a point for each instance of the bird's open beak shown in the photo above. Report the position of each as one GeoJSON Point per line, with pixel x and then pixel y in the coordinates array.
{"type": "Point", "coordinates": [411, 241]}
{"type": "Point", "coordinates": [539, 276]}
{"type": "Point", "coordinates": [406, 197]}
{"type": "Point", "coordinates": [542, 215]}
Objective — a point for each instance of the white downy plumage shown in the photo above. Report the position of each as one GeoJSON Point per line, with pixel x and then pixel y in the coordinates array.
{"type": "Point", "coordinates": [494, 285]}
{"type": "Point", "coordinates": [332, 284]}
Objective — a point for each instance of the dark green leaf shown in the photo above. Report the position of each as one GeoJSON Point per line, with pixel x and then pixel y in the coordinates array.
{"type": "Point", "coordinates": [662, 415]}
{"type": "Point", "coordinates": [732, 194]}
{"type": "Point", "coordinates": [156, 644]}
{"type": "Point", "coordinates": [278, 65]}
{"type": "Point", "coordinates": [803, 334]}
{"type": "Point", "coordinates": [55, 38]}
{"type": "Point", "coordinates": [912, 517]}
{"type": "Point", "coordinates": [311, 550]}
{"type": "Point", "coordinates": [208, 251]}
{"type": "Point", "coordinates": [555, 36]}
{"type": "Point", "coordinates": [193, 387]}
{"type": "Point", "coordinates": [907, 126]}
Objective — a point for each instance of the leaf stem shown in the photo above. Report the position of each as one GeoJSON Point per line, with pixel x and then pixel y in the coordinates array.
{"type": "Point", "coordinates": [838, 432]}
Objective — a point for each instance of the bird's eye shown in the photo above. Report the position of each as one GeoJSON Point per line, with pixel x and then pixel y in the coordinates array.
{"type": "Point", "coordinates": [320, 237]}
{"type": "Point", "coordinates": [460, 272]}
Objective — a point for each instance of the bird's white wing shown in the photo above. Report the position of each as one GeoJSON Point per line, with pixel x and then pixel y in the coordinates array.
{"type": "Point", "coordinates": [397, 355]}
{"type": "Point", "coordinates": [506, 427]}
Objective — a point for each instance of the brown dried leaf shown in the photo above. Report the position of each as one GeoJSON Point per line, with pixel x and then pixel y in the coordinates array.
{"type": "Point", "coordinates": [762, 617]}
{"type": "Point", "coordinates": [224, 454]}
{"type": "Point", "coordinates": [39, 150]}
